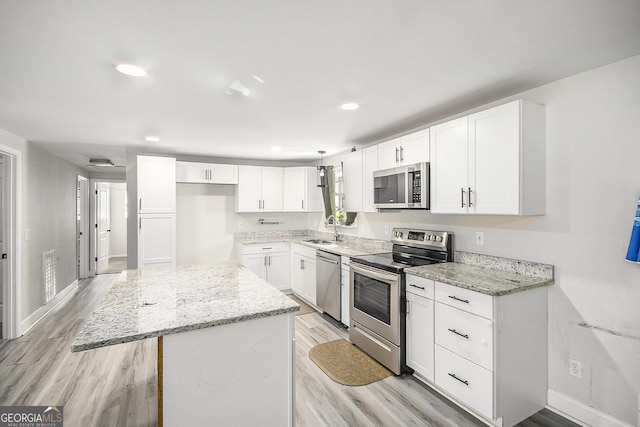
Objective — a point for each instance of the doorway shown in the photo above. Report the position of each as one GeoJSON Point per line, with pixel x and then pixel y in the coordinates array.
{"type": "Point", "coordinates": [82, 227]}
{"type": "Point", "coordinates": [9, 244]}
{"type": "Point", "coordinates": [109, 212]}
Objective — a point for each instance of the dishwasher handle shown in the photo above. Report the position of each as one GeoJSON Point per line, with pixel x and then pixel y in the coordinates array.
{"type": "Point", "coordinates": [329, 260]}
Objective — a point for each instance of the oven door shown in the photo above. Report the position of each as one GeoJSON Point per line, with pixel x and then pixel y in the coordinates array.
{"type": "Point", "coordinates": [375, 301]}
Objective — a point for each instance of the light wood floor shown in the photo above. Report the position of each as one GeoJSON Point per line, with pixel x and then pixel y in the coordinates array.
{"type": "Point", "coordinates": [116, 386]}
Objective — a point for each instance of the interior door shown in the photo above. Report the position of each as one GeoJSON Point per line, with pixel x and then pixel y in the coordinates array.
{"type": "Point", "coordinates": [82, 218]}
{"type": "Point", "coordinates": [103, 221]}
{"type": "Point", "coordinates": [3, 281]}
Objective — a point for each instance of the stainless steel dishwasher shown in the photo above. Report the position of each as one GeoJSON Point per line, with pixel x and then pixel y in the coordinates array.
{"type": "Point", "coordinates": [328, 283]}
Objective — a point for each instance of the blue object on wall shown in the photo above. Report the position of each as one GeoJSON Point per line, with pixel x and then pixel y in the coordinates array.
{"type": "Point", "coordinates": [633, 253]}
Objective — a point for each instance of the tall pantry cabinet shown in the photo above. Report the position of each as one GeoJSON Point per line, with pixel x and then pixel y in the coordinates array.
{"type": "Point", "coordinates": [156, 209]}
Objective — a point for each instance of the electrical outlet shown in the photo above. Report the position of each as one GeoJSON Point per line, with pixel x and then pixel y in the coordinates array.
{"type": "Point", "coordinates": [575, 368]}
{"type": "Point", "coordinates": [479, 238]}
{"type": "Point", "coordinates": [241, 225]}
{"type": "Point", "coordinates": [386, 229]}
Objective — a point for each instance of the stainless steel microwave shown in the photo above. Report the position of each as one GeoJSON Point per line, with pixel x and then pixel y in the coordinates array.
{"type": "Point", "coordinates": [403, 187]}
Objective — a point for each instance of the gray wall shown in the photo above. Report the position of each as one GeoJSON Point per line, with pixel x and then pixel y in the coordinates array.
{"type": "Point", "coordinates": [48, 211]}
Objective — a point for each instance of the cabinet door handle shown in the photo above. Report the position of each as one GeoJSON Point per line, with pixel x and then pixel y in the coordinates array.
{"type": "Point", "coordinates": [462, 197]}
{"type": "Point", "coordinates": [462, 381]}
{"type": "Point", "coordinates": [269, 261]}
{"type": "Point", "coordinates": [301, 264]}
{"type": "Point", "coordinates": [470, 204]}
{"type": "Point", "coordinates": [264, 261]}
{"type": "Point", "coordinates": [139, 223]}
{"type": "Point", "coordinates": [408, 305]}
{"type": "Point", "coordinates": [396, 154]}
{"type": "Point", "coordinates": [401, 154]}
{"type": "Point", "coordinates": [302, 204]}
{"type": "Point", "coordinates": [458, 333]}
{"type": "Point", "coordinates": [466, 301]}
{"type": "Point", "coordinates": [140, 208]}
{"type": "Point", "coordinates": [259, 205]}
{"type": "Point", "coordinates": [416, 286]}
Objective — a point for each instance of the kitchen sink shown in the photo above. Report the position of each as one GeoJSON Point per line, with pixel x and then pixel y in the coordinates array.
{"type": "Point", "coordinates": [320, 242]}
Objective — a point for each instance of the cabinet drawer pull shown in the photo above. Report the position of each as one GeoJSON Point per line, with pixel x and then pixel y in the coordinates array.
{"type": "Point", "coordinates": [466, 301]}
{"type": "Point", "coordinates": [462, 381]}
{"type": "Point", "coordinates": [416, 286]}
{"type": "Point", "coordinates": [458, 333]}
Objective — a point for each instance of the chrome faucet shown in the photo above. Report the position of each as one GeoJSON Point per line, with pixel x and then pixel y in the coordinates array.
{"type": "Point", "coordinates": [336, 235]}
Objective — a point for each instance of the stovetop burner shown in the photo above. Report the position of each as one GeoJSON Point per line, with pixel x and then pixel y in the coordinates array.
{"type": "Point", "coordinates": [411, 248]}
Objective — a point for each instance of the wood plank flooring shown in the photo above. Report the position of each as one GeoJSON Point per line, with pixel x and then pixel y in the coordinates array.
{"type": "Point", "coordinates": [116, 386]}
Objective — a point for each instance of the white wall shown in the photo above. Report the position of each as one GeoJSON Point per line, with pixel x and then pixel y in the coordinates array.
{"type": "Point", "coordinates": [118, 235]}
{"type": "Point", "coordinates": [206, 221]}
{"type": "Point", "coordinates": [593, 182]}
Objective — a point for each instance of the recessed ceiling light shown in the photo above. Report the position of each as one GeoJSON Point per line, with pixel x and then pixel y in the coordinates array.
{"type": "Point", "coordinates": [152, 139]}
{"type": "Point", "coordinates": [131, 70]}
{"type": "Point", "coordinates": [276, 149]}
{"type": "Point", "coordinates": [350, 106]}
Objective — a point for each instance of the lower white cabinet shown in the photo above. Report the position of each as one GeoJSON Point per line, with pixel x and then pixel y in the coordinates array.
{"type": "Point", "coordinates": [270, 262]}
{"type": "Point", "coordinates": [487, 353]}
{"type": "Point", "coordinates": [419, 327]}
{"type": "Point", "coordinates": [156, 239]}
{"type": "Point", "coordinates": [303, 272]}
{"type": "Point", "coordinates": [345, 290]}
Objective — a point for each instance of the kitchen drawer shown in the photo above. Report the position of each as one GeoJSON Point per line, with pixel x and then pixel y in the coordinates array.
{"type": "Point", "coordinates": [473, 302]}
{"type": "Point", "coordinates": [305, 251]}
{"type": "Point", "coordinates": [468, 382]}
{"type": "Point", "coordinates": [267, 247]}
{"type": "Point", "coordinates": [465, 334]}
{"type": "Point", "coordinates": [420, 286]}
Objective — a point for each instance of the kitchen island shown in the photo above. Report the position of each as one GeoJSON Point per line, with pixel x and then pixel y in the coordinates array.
{"type": "Point", "coordinates": [225, 341]}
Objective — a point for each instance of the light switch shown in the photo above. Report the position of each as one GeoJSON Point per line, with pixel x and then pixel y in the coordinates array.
{"type": "Point", "coordinates": [27, 234]}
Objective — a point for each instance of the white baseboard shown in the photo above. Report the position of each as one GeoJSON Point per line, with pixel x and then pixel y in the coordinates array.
{"type": "Point", "coordinates": [42, 312]}
{"type": "Point", "coordinates": [117, 256]}
{"type": "Point", "coordinates": [580, 413]}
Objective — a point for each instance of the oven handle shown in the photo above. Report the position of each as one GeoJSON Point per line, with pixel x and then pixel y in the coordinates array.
{"type": "Point", "coordinates": [374, 273]}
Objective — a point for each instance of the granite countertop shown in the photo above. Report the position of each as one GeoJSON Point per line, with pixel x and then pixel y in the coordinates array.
{"type": "Point", "coordinates": [167, 300]}
{"type": "Point", "coordinates": [485, 280]}
{"type": "Point", "coordinates": [346, 248]}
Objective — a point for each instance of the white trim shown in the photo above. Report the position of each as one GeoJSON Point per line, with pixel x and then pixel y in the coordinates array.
{"type": "Point", "coordinates": [43, 311]}
{"type": "Point", "coordinates": [118, 256]}
{"type": "Point", "coordinates": [13, 246]}
{"type": "Point", "coordinates": [83, 253]}
{"type": "Point", "coordinates": [580, 413]}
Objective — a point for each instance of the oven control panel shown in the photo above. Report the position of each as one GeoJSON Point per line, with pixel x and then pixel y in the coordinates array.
{"type": "Point", "coordinates": [411, 237]}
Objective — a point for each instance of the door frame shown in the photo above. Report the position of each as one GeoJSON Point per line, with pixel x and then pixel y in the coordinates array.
{"type": "Point", "coordinates": [93, 218]}
{"type": "Point", "coordinates": [13, 245]}
{"type": "Point", "coordinates": [83, 227]}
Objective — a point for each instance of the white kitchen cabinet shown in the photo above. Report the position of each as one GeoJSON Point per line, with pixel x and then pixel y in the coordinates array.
{"type": "Point", "coordinates": [156, 178]}
{"type": "Point", "coordinates": [345, 290]}
{"type": "Point", "coordinates": [301, 191]}
{"type": "Point", "coordinates": [406, 150]}
{"type": "Point", "coordinates": [156, 210]}
{"type": "Point", "coordinates": [352, 181]}
{"type": "Point", "coordinates": [490, 351]}
{"type": "Point", "coordinates": [270, 262]}
{"type": "Point", "coordinates": [206, 173]}
{"type": "Point", "coordinates": [156, 239]}
{"type": "Point", "coordinates": [369, 166]}
{"type": "Point", "coordinates": [303, 272]}
{"type": "Point", "coordinates": [260, 189]}
{"type": "Point", "coordinates": [490, 162]}
{"type": "Point", "coordinates": [419, 326]}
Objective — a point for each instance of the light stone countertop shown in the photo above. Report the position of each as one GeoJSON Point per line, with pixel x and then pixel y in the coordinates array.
{"type": "Point", "coordinates": [480, 279]}
{"type": "Point", "coordinates": [167, 300]}
{"type": "Point", "coordinates": [346, 248]}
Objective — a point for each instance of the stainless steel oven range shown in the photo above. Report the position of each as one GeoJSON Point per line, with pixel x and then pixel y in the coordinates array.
{"type": "Point", "coordinates": [377, 308]}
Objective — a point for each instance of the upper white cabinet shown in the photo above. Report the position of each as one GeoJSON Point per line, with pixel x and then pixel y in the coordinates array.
{"type": "Point", "coordinates": [352, 181]}
{"type": "Point", "coordinates": [301, 193]}
{"type": "Point", "coordinates": [156, 184]}
{"type": "Point", "coordinates": [412, 148]}
{"type": "Point", "coordinates": [260, 189]}
{"type": "Point", "coordinates": [490, 162]}
{"type": "Point", "coordinates": [206, 173]}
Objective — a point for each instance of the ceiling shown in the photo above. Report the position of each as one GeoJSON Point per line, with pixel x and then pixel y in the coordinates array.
{"type": "Point", "coordinates": [407, 62]}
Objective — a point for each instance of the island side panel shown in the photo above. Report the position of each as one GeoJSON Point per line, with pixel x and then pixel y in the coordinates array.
{"type": "Point", "coordinates": [235, 374]}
